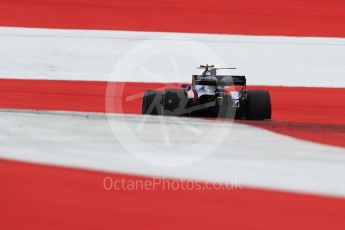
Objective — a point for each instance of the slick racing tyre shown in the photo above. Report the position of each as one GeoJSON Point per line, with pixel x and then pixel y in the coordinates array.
{"type": "Point", "coordinates": [152, 102]}
{"type": "Point", "coordinates": [175, 102]}
{"type": "Point", "coordinates": [258, 105]}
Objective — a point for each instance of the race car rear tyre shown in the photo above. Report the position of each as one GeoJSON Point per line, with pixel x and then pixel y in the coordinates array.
{"type": "Point", "coordinates": [175, 102]}
{"type": "Point", "coordinates": [258, 105]}
{"type": "Point", "coordinates": [152, 102]}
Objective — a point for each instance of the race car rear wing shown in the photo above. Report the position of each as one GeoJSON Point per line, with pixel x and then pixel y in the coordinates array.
{"type": "Point", "coordinates": [220, 80]}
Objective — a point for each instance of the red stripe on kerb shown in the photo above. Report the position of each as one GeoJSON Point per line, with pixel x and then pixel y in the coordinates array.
{"type": "Point", "coordinates": [268, 17]}
{"type": "Point", "coordinates": [43, 197]}
{"type": "Point", "coordinates": [315, 114]}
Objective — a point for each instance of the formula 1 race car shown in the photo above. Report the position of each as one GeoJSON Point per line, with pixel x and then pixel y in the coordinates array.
{"type": "Point", "coordinates": [210, 95]}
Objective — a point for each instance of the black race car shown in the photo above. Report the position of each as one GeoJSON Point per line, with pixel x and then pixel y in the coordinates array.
{"type": "Point", "coordinates": [210, 95]}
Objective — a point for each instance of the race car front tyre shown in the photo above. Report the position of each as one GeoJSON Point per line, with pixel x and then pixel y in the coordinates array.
{"type": "Point", "coordinates": [175, 102]}
{"type": "Point", "coordinates": [258, 105]}
{"type": "Point", "coordinates": [152, 102]}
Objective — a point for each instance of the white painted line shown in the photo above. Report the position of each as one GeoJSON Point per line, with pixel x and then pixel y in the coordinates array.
{"type": "Point", "coordinates": [252, 156]}
{"type": "Point", "coordinates": [92, 55]}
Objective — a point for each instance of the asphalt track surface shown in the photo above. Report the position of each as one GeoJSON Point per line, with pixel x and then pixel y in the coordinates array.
{"type": "Point", "coordinates": [54, 163]}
